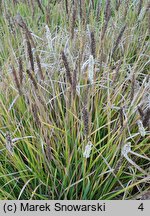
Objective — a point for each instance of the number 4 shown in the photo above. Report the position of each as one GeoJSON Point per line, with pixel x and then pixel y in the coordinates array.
{"type": "Point", "coordinates": [141, 207]}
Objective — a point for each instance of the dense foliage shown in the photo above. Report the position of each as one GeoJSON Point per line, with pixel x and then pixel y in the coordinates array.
{"type": "Point", "coordinates": [74, 99]}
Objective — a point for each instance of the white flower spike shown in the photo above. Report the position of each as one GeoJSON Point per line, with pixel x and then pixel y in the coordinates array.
{"type": "Point", "coordinates": [141, 128]}
{"type": "Point", "coordinates": [88, 149]}
{"type": "Point", "coordinates": [91, 69]}
{"type": "Point", "coordinates": [126, 149]}
{"type": "Point", "coordinates": [49, 37]}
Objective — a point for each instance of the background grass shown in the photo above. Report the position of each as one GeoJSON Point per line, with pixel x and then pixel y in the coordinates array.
{"type": "Point", "coordinates": [46, 123]}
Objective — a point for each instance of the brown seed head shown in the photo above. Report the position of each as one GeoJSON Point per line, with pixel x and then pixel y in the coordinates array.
{"type": "Point", "coordinates": [68, 74]}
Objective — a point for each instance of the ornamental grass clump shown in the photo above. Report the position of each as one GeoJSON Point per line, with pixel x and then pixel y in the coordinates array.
{"type": "Point", "coordinates": [74, 100]}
